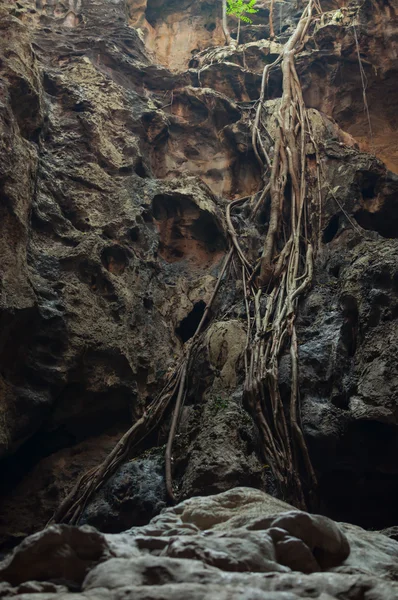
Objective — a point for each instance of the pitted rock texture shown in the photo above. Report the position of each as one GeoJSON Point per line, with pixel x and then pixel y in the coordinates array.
{"type": "Point", "coordinates": [124, 133]}
{"type": "Point", "coordinates": [239, 544]}
{"type": "Point", "coordinates": [130, 497]}
{"type": "Point", "coordinates": [348, 358]}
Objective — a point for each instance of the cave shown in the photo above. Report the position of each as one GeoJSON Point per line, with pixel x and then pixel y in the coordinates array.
{"type": "Point", "coordinates": [114, 259]}
{"type": "Point", "coordinates": [363, 477]}
{"type": "Point", "coordinates": [189, 324]}
{"type": "Point", "coordinates": [384, 221]}
{"type": "Point", "coordinates": [331, 229]}
{"type": "Point", "coordinates": [186, 232]}
{"type": "Point", "coordinates": [156, 175]}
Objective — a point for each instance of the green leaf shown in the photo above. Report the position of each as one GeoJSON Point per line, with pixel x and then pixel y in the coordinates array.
{"type": "Point", "coordinates": [238, 8]}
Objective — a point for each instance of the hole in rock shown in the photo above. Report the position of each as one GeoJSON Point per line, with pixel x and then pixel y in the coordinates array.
{"type": "Point", "coordinates": [140, 169]}
{"type": "Point", "coordinates": [349, 330]}
{"type": "Point", "coordinates": [340, 400]}
{"type": "Point", "coordinates": [146, 215]}
{"type": "Point", "coordinates": [189, 324]}
{"type": "Point", "coordinates": [186, 231]}
{"type": "Point", "coordinates": [384, 221]}
{"type": "Point", "coordinates": [368, 184]}
{"type": "Point", "coordinates": [331, 229]}
{"type": "Point", "coordinates": [106, 416]}
{"type": "Point", "coordinates": [134, 234]}
{"type": "Point", "coordinates": [335, 270]}
{"type": "Point", "coordinates": [126, 170]}
{"type": "Point", "coordinates": [148, 303]}
{"type": "Point", "coordinates": [363, 477]}
{"type": "Point", "coordinates": [50, 86]}
{"type": "Point", "coordinates": [76, 217]}
{"type": "Point", "coordinates": [114, 259]}
{"type": "Point", "coordinates": [383, 278]}
{"type": "Point", "coordinates": [79, 107]}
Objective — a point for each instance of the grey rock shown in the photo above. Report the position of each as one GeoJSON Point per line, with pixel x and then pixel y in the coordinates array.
{"type": "Point", "coordinates": [148, 570]}
{"type": "Point", "coordinates": [58, 553]}
{"type": "Point", "coordinates": [130, 497]}
{"type": "Point", "coordinates": [273, 554]}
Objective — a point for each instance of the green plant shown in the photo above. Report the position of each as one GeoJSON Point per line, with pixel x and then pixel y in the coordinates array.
{"type": "Point", "coordinates": [220, 403]}
{"type": "Point", "coordinates": [240, 9]}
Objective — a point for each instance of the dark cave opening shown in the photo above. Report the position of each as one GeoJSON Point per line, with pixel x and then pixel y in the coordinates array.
{"type": "Point", "coordinates": [356, 497]}
{"type": "Point", "coordinates": [45, 442]}
{"type": "Point", "coordinates": [385, 224]}
{"type": "Point", "coordinates": [186, 231]}
{"type": "Point", "coordinates": [186, 329]}
{"type": "Point", "coordinates": [378, 211]}
{"type": "Point", "coordinates": [331, 229]}
{"type": "Point", "coordinates": [114, 258]}
{"type": "Point", "coordinates": [140, 170]}
{"type": "Point", "coordinates": [361, 476]}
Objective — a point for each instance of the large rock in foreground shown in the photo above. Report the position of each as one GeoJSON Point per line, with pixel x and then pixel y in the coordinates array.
{"type": "Point", "coordinates": [239, 544]}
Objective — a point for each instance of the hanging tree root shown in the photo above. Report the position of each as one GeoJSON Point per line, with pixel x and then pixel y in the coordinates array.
{"type": "Point", "coordinates": [271, 20]}
{"type": "Point", "coordinates": [182, 383]}
{"type": "Point", "coordinates": [286, 270]}
{"type": "Point", "coordinates": [75, 502]}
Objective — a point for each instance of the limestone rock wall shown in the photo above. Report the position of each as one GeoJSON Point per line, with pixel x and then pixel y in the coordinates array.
{"type": "Point", "coordinates": [123, 137]}
{"type": "Point", "coordinates": [239, 544]}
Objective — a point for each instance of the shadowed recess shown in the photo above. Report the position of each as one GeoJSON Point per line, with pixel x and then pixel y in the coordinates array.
{"type": "Point", "coordinates": [186, 231]}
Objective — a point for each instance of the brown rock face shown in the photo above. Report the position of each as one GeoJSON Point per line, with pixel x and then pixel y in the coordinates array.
{"type": "Point", "coordinates": [125, 130]}
{"type": "Point", "coordinates": [355, 81]}
{"type": "Point", "coordinates": [173, 31]}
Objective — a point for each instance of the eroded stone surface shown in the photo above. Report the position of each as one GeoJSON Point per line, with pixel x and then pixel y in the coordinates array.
{"type": "Point", "coordinates": [113, 184]}
{"type": "Point", "coordinates": [272, 553]}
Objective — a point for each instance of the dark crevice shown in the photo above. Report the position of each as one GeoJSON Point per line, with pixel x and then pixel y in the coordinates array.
{"type": "Point", "coordinates": [189, 324]}
{"type": "Point", "coordinates": [331, 229]}
{"type": "Point", "coordinates": [335, 270]}
{"type": "Point", "coordinates": [349, 331]}
{"type": "Point", "coordinates": [114, 259]}
{"type": "Point", "coordinates": [47, 442]}
{"type": "Point", "coordinates": [140, 169]}
{"type": "Point", "coordinates": [367, 182]}
{"type": "Point", "coordinates": [134, 234]}
{"type": "Point", "coordinates": [186, 231]}
{"type": "Point", "coordinates": [382, 222]}
{"type": "Point", "coordinates": [362, 477]}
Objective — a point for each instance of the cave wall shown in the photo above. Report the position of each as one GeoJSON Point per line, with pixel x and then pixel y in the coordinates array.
{"type": "Point", "coordinates": [173, 31]}
{"type": "Point", "coordinates": [122, 140]}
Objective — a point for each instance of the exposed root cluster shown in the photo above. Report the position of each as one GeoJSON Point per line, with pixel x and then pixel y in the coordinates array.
{"type": "Point", "coordinates": [285, 272]}
{"type": "Point", "coordinates": [272, 292]}
{"type": "Point", "coordinates": [75, 502]}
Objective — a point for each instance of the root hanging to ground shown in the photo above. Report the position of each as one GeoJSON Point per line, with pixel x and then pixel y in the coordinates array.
{"type": "Point", "coordinates": [286, 270]}
{"type": "Point", "coordinates": [225, 29]}
{"type": "Point", "coordinates": [272, 290]}
{"type": "Point", "coordinates": [364, 86]}
{"type": "Point", "coordinates": [75, 502]}
{"type": "Point", "coordinates": [271, 20]}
